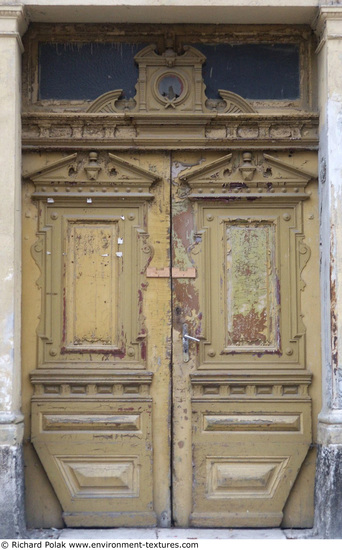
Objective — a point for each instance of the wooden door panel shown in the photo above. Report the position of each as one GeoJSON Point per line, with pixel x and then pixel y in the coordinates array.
{"type": "Point", "coordinates": [245, 461]}
{"type": "Point", "coordinates": [239, 222]}
{"type": "Point", "coordinates": [98, 457]}
{"type": "Point", "coordinates": [92, 405]}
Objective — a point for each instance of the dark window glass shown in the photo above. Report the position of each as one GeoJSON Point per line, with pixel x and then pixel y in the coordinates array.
{"type": "Point", "coordinates": [254, 71]}
{"type": "Point", "coordinates": [170, 86]}
{"type": "Point", "coordinates": [86, 71]}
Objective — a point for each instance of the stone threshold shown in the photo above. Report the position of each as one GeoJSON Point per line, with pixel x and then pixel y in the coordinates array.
{"type": "Point", "coordinates": [169, 533]}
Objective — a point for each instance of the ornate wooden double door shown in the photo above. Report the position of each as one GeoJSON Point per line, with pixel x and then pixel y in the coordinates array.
{"type": "Point", "coordinates": [176, 360]}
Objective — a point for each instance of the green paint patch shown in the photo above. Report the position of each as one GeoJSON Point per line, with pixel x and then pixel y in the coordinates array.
{"type": "Point", "coordinates": [251, 285]}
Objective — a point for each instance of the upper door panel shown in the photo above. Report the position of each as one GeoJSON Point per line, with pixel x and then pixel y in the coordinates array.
{"type": "Point", "coordinates": [93, 254]}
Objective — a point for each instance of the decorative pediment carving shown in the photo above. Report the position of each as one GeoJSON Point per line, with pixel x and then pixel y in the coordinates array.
{"type": "Point", "coordinates": [231, 103]}
{"type": "Point", "coordinates": [92, 174]}
{"type": "Point", "coordinates": [106, 103]}
{"type": "Point", "coordinates": [247, 173]}
{"type": "Point", "coordinates": [169, 83]}
{"type": "Point", "coordinates": [63, 169]}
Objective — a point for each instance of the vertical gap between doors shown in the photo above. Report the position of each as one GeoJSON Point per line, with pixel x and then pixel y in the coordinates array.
{"type": "Point", "coordinates": [171, 343]}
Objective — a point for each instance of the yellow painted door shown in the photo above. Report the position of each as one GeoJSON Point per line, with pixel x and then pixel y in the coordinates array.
{"type": "Point", "coordinates": [177, 345]}
{"type": "Point", "coordinates": [246, 338]}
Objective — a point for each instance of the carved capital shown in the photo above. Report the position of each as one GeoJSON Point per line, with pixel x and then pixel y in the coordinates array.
{"type": "Point", "coordinates": [13, 23]}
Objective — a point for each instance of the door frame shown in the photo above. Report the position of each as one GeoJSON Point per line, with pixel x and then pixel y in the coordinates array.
{"type": "Point", "coordinates": [204, 130]}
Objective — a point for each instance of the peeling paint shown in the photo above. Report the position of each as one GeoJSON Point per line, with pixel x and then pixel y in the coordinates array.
{"type": "Point", "coordinates": [252, 303]}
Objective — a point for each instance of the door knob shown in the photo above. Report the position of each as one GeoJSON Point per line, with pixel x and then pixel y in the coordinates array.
{"type": "Point", "coordinates": [186, 338]}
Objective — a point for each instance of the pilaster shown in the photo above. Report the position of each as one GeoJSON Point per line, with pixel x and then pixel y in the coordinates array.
{"type": "Point", "coordinates": [328, 478]}
{"type": "Point", "coordinates": [12, 26]}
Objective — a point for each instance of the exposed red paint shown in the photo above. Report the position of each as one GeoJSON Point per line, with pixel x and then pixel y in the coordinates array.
{"type": "Point", "coordinates": [140, 301]}
{"type": "Point", "coordinates": [333, 326]}
{"type": "Point", "coordinates": [248, 329]}
{"type": "Point", "coordinates": [143, 350]}
{"type": "Point", "coordinates": [115, 353]}
{"type": "Point", "coordinates": [183, 226]}
{"type": "Point", "coordinates": [278, 295]}
{"type": "Point", "coordinates": [149, 260]}
{"type": "Point", "coordinates": [188, 300]}
{"type": "Point", "coordinates": [64, 318]}
{"type": "Point", "coordinates": [268, 352]}
{"type": "Point", "coordinates": [278, 298]}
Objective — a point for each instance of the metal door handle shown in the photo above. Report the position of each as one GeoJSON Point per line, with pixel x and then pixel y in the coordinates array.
{"type": "Point", "coordinates": [191, 338]}
{"type": "Point", "coordinates": [186, 339]}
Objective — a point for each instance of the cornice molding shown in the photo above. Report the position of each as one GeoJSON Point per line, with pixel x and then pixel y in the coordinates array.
{"type": "Point", "coordinates": [86, 131]}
